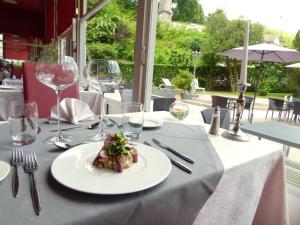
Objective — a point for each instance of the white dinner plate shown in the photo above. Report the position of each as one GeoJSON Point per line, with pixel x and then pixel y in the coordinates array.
{"type": "Point", "coordinates": [74, 169]}
{"type": "Point", "coordinates": [151, 123]}
{"type": "Point", "coordinates": [4, 169]}
{"type": "Point", "coordinates": [11, 87]}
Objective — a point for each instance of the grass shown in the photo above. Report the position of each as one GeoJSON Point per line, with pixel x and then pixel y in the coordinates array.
{"type": "Point", "coordinates": [228, 93]}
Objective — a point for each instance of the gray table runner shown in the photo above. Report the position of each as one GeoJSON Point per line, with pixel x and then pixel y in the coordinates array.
{"type": "Point", "coordinates": [177, 200]}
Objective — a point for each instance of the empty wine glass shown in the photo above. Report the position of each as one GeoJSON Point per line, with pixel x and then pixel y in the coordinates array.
{"type": "Point", "coordinates": [104, 76]}
{"type": "Point", "coordinates": [179, 110]}
{"type": "Point", "coordinates": [58, 73]}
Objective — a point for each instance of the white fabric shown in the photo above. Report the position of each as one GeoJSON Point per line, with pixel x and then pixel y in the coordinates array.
{"type": "Point", "coordinates": [16, 82]}
{"type": "Point", "coordinates": [252, 189]}
{"type": "Point", "coordinates": [73, 110]}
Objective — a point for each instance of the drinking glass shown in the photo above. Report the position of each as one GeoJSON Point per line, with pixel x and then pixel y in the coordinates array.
{"type": "Point", "coordinates": [104, 76]}
{"type": "Point", "coordinates": [133, 119]}
{"type": "Point", "coordinates": [179, 110]}
{"type": "Point", "coordinates": [58, 73]}
{"type": "Point", "coordinates": [23, 122]}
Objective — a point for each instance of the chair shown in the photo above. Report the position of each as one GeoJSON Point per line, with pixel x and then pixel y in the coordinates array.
{"type": "Point", "coordinates": [167, 83]}
{"type": "Point", "coordinates": [296, 111]}
{"type": "Point", "coordinates": [195, 86]}
{"type": "Point", "coordinates": [126, 95]}
{"type": "Point", "coordinates": [223, 102]}
{"type": "Point", "coordinates": [224, 117]}
{"type": "Point", "coordinates": [162, 104]}
{"type": "Point", "coordinates": [247, 106]}
{"type": "Point", "coordinates": [44, 96]}
{"type": "Point", "coordinates": [276, 105]}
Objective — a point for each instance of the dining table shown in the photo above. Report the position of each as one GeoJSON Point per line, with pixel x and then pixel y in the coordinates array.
{"type": "Point", "coordinates": [15, 93]}
{"type": "Point", "coordinates": [231, 182]}
{"type": "Point", "coordinates": [12, 82]}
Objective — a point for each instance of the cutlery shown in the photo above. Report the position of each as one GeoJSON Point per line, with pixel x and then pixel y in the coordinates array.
{"type": "Point", "coordinates": [17, 159]}
{"type": "Point", "coordinates": [108, 123]}
{"type": "Point", "coordinates": [31, 166]}
{"type": "Point", "coordinates": [66, 146]}
{"type": "Point", "coordinates": [186, 158]}
{"type": "Point", "coordinates": [174, 162]}
{"type": "Point", "coordinates": [91, 127]}
{"type": "Point", "coordinates": [111, 120]}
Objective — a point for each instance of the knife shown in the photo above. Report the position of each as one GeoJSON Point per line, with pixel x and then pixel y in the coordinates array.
{"type": "Point", "coordinates": [174, 162]}
{"type": "Point", "coordinates": [186, 158]}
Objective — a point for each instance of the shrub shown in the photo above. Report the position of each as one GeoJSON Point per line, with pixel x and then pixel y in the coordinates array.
{"type": "Point", "coordinates": [183, 80]}
{"type": "Point", "coordinates": [101, 51]}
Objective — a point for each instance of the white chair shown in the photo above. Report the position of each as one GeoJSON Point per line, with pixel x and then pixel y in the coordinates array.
{"type": "Point", "coordinates": [167, 83]}
{"type": "Point", "coordinates": [195, 86]}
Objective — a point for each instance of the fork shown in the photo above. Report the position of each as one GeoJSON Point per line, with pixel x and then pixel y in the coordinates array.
{"type": "Point", "coordinates": [17, 158]}
{"type": "Point", "coordinates": [31, 166]}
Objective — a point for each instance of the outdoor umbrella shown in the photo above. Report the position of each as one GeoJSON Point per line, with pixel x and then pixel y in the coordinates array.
{"type": "Point", "coordinates": [264, 52]}
{"type": "Point", "coordinates": [295, 65]}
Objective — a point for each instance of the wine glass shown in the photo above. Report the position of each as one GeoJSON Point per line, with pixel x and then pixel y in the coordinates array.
{"type": "Point", "coordinates": [58, 73]}
{"type": "Point", "coordinates": [104, 76]}
{"type": "Point", "coordinates": [179, 110]}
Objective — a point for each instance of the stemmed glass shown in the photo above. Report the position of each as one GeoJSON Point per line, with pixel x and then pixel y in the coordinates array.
{"type": "Point", "coordinates": [58, 73]}
{"type": "Point", "coordinates": [104, 76]}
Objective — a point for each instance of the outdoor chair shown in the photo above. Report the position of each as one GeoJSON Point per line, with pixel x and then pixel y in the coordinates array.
{"type": "Point", "coordinates": [296, 112]}
{"type": "Point", "coordinates": [223, 102]}
{"type": "Point", "coordinates": [248, 103]}
{"type": "Point", "coordinates": [276, 105]}
{"type": "Point", "coordinates": [224, 117]}
{"type": "Point", "coordinates": [162, 104]}
{"type": "Point", "coordinates": [167, 83]}
{"type": "Point", "coordinates": [44, 96]}
{"type": "Point", "coordinates": [126, 95]}
{"type": "Point", "coordinates": [195, 86]}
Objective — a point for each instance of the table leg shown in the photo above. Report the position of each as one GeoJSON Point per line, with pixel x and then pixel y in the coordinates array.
{"type": "Point", "coordinates": [286, 150]}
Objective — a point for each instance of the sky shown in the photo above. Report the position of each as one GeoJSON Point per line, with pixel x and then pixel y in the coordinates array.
{"type": "Point", "coordinates": [281, 15]}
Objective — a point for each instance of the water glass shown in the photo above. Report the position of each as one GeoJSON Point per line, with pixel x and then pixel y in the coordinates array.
{"type": "Point", "coordinates": [133, 119]}
{"type": "Point", "coordinates": [23, 122]}
{"type": "Point", "coordinates": [179, 110]}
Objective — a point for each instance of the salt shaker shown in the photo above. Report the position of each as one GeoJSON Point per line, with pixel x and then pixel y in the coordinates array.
{"type": "Point", "coordinates": [215, 122]}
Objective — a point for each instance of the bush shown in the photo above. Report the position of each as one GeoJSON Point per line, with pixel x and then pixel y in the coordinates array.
{"type": "Point", "coordinates": [183, 80]}
{"type": "Point", "coordinates": [101, 51]}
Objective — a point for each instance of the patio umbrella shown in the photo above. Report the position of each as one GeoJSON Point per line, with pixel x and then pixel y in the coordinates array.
{"type": "Point", "coordinates": [264, 52]}
{"type": "Point", "coordinates": [295, 65]}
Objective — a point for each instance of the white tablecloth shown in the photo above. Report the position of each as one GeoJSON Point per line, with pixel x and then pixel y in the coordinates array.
{"type": "Point", "coordinates": [15, 82]}
{"type": "Point", "coordinates": [6, 96]}
{"type": "Point", "coordinates": [252, 189]}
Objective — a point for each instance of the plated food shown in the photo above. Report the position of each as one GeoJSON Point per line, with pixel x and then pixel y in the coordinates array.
{"type": "Point", "coordinates": [116, 153]}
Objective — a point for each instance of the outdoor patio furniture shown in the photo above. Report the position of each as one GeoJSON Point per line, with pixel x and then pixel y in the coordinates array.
{"type": "Point", "coordinates": [167, 83]}
{"type": "Point", "coordinates": [162, 104]}
{"type": "Point", "coordinates": [224, 117]}
{"type": "Point", "coordinates": [195, 86]}
{"type": "Point", "coordinates": [296, 111]}
{"type": "Point", "coordinates": [276, 105]}
{"type": "Point", "coordinates": [126, 95]}
{"type": "Point", "coordinates": [224, 102]}
{"type": "Point", "coordinates": [247, 106]}
{"type": "Point", "coordinates": [44, 96]}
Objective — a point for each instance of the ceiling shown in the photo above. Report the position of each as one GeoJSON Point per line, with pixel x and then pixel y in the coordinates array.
{"type": "Point", "coordinates": [35, 6]}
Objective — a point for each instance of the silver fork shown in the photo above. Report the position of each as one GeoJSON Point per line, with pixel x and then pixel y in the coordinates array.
{"type": "Point", "coordinates": [17, 158]}
{"type": "Point", "coordinates": [30, 167]}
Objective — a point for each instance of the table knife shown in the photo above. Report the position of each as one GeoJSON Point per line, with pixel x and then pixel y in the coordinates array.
{"type": "Point", "coordinates": [186, 158]}
{"type": "Point", "coordinates": [174, 162]}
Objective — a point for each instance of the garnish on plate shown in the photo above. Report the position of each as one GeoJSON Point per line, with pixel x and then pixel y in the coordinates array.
{"type": "Point", "coordinates": [116, 153]}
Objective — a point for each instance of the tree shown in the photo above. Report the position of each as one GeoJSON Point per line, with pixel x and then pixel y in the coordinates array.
{"type": "Point", "coordinates": [188, 11]}
{"type": "Point", "coordinates": [296, 41]}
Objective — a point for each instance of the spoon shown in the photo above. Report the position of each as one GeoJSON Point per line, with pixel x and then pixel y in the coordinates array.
{"type": "Point", "coordinates": [91, 127]}
{"type": "Point", "coordinates": [66, 146]}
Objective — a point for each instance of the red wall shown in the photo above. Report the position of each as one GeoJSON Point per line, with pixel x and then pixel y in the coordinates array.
{"type": "Point", "coordinates": [15, 50]}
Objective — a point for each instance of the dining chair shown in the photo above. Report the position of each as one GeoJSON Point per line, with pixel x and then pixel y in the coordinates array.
{"type": "Point", "coordinates": [224, 117]}
{"type": "Point", "coordinates": [223, 102]}
{"type": "Point", "coordinates": [276, 105]}
{"type": "Point", "coordinates": [44, 96]}
{"type": "Point", "coordinates": [162, 104]}
{"type": "Point", "coordinates": [248, 103]}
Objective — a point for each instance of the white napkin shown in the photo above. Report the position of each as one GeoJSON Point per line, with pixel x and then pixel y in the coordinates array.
{"type": "Point", "coordinates": [73, 110]}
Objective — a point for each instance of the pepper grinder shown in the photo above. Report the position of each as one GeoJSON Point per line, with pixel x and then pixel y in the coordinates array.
{"type": "Point", "coordinates": [215, 122]}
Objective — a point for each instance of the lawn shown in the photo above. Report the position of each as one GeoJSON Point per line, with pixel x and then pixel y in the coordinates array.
{"type": "Point", "coordinates": [228, 93]}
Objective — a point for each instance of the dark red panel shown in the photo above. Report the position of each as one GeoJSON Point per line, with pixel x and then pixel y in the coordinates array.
{"type": "Point", "coordinates": [66, 11]}
{"type": "Point", "coordinates": [14, 48]}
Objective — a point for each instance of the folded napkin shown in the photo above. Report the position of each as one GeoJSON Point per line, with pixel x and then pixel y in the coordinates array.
{"type": "Point", "coordinates": [73, 110]}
